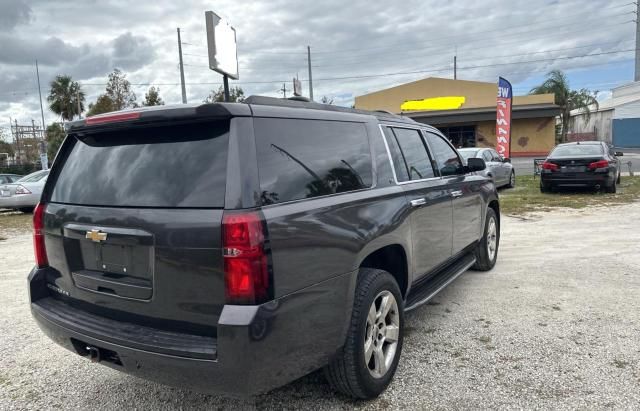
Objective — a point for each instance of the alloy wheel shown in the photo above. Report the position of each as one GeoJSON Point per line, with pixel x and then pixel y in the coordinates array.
{"type": "Point", "coordinates": [492, 238]}
{"type": "Point", "coordinates": [382, 333]}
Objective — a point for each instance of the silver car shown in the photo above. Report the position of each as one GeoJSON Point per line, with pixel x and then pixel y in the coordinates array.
{"type": "Point", "coordinates": [25, 193]}
{"type": "Point", "coordinates": [499, 169]}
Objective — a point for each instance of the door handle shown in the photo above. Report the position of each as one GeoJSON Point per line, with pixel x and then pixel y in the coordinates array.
{"type": "Point", "coordinates": [456, 194]}
{"type": "Point", "coordinates": [418, 202]}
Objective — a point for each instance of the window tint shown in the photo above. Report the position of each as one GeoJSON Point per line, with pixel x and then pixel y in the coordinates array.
{"type": "Point", "coordinates": [446, 157]}
{"type": "Point", "coordinates": [486, 155]}
{"type": "Point", "coordinates": [169, 166]}
{"type": "Point", "coordinates": [577, 150]}
{"type": "Point", "coordinates": [496, 156]}
{"type": "Point", "coordinates": [414, 152]}
{"type": "Point", "coordinates": [33, 177]}
{"type": "Point", "coordinates": [310, 158]}
{"type": "Point", "coordinates": [400, 166]}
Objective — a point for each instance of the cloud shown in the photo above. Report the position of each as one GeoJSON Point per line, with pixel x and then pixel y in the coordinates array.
{"type": "Point", "coordinates": [14, 13]}
{"type": "Point", "coordinates": [371, 46]}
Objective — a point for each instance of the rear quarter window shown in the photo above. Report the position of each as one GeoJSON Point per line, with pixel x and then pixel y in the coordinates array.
{"type": "Point", "coordinates": [168, 166]}
{"type": "Point", "coordinates": [309, 158]}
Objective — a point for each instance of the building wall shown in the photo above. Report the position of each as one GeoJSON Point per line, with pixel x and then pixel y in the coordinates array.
{"type": "Point", "coordinates": [598, 123]}
{"type": "Point", "coordinates": [529, 137]}
{"type": "Point", "coordinates": [629, 110]}
{"type": "Point", "coordinates": [477, 94]}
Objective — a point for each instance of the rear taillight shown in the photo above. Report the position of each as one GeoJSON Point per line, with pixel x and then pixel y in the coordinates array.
{"type": "Point", "coordinates": [22, 190]}
{"type": "Point", "coordinates": [38, 236]}
{"type": "Point", "coordinates": [549, 166]}
{"type": "Point", "coordinates": [599, 164]}
{"type": "Point", "coordinates": [246, 272]}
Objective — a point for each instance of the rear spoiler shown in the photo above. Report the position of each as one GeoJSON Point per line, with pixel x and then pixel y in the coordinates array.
{"type": "Point", "coordinates": [163, 114]}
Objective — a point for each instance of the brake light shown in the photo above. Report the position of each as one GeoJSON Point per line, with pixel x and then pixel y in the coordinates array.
{"type": "Point", "coordinates": [22, 190]}
{"type": "Point", "coordinates": [549, 166]}
{"type": "Point", "coordinates": [38, 236]}
{"type": "Point", "coordinates": [245, 260]}
{"type": "Point", "coordinates": [112, 117]}
{"type": "Point", "coordinates": [599, 164]}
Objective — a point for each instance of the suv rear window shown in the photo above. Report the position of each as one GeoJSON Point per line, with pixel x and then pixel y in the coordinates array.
{"type": "Point", "coordinates": [310, 158]}
{"type": "Point", "coordinates": [169, 166]}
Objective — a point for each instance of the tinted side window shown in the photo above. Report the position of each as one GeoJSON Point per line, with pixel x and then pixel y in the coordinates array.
{"type": "Point", "coordinates": [399, 164]}
{"type": "Point", "coordinates": [446, 157]}
{"type": "Point", "coordinates": [496, 156]}
{"type": "Point", "coordinates": [486, 155]}
{"type": "Point", "coordinates": [415, 153]}
{"type": "Point", "coordinates": [310, 158]}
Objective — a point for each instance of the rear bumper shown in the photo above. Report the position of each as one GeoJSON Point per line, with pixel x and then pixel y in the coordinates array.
{"type": "Point", "coordinates": [257, 348]}
{"type": "Point", "coordinates": [578, 179]}
{"type": "Point", "coordinates": [19, 201]}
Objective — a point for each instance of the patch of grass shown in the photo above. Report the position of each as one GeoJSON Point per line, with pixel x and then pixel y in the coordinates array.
{"type": "Point", "coordinates": [526, 196]}
{"type": "Point", "coordinates": [12, 223]}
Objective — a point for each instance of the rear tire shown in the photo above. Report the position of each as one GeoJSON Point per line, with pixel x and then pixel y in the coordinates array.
{"type": "Point", "coordinates": [544, 188]}
{"type": "Point", "coordinates": [26, 210]}
{"type": "Point", "coordinates": [612, 188]}
{"type": "Point", "coordinates": [371, 332]}
{"type": "Point", "coordinates": [512, 180]}
{"type": "Point", "coordinates": [619, 178]}
{"type": "Point", "coordinates": [486, 251]}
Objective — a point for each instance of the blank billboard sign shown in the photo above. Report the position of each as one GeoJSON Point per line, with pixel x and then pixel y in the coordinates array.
{"type": "Point", "coordinates": [221, 42]}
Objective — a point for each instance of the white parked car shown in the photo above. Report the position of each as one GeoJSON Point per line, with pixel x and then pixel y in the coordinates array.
{"type": "Point", "coordinates": [24, 193]}
{"type": "Point", "coordinates": [499, 169]}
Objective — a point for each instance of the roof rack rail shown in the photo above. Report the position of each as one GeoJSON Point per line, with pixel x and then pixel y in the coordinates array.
{"type": "Point", "coordinates": [308, 104]}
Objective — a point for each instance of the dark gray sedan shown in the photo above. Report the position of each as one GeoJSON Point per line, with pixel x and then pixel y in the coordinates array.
{"type": "Point", "coordinates": [499, 169]}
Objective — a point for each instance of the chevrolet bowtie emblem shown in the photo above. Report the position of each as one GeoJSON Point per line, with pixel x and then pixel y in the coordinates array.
{"type": "Point", "coordinates": [96, 235]}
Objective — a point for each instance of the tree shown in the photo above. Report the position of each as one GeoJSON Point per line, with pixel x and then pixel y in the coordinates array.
{"type": "Point", "coordinates": [236, 95]}
{"type": "Point", "coordinates": [55, 137]}
{"type": "Point", "coordinates": [63, 97]}
{"type": "Point", "coordinates": [119, 91]}
{"type": "Point", "coordinates": [568, 100]}
{"type": "Point", "coordinates": [326, 100]}
{"type": "Point", "coordinates": [152, 98]}
{"type": "Point", "coordinates": [103, 104]}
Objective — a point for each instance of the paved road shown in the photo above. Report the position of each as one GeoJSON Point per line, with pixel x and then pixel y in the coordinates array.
{"type": "Point", "coordinates": [524, 165]}
{"type": "Point", "coordinates": [555, 325]}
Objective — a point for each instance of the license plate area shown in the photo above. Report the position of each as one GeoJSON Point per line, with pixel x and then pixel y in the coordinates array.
{"type": "Point", "coordinates": [573, 169]}
{"type": "Point", "coordinates": [121, 265]}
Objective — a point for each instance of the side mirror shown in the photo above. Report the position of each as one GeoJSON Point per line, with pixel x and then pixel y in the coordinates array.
{"type": "Point", "coordinates": [619, 154]}
{"type": "Point", "coordinates": [476, 164]}
{"type": "Point", "coordinates": [506, 160]}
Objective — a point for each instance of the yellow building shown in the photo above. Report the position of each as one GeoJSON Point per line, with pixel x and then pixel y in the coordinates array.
{"type": "Point", "coordinates": [465, 111]}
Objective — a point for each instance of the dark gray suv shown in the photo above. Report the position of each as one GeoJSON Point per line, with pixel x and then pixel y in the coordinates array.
{"type": "Point", "coordinates": [236, 247]}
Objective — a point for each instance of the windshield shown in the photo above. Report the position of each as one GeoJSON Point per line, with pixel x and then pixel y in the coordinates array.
{"type": "Point", "coordinates": [33, 177]}
{"type": "Point", "coordinates": [577, 150]}
{"type": "Point", "coordinates": [467, 154]}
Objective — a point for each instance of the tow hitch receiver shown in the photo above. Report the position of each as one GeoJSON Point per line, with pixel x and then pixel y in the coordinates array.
{"type": "Point", "coordinates": [96, 354]}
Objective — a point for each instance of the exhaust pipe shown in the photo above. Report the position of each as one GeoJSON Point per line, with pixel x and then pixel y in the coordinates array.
{"type": "Point", "coordinates": [597, 186]}
{"type": "Point", "coordinates": [93, 353]}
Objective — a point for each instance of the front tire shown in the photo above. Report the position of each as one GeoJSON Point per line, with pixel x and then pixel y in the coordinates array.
{"type": "Point", "coordinates": [612, 188]}
{"type": "Point", "coordinates": [545, 188]}
{"type": "Point", "coordinates": [486, 251]}
{"type": "Point", "coordinates": [364, 367]}
{"type": "Point", "coordinates": [512, 180]}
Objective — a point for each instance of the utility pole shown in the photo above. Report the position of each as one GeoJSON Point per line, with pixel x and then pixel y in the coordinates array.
{"type": "Point", "coordinates": [636, 76]}
{"type": "Point", "coordinates": [40, 94]}
{"type": "Point", "coordinates": [455, 67]}
{"type": "Point", "coordinates": [311, 78]}
{"type": "Point", "coordinates": [184, 91]}
{"type": "Point", "coordinates": [78, 101]}
{"type": "Point", "coordinates": [284, 90]}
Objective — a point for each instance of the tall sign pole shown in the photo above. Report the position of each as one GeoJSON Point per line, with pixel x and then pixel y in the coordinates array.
{"type": "Point", "coordinates": [636, 76]}
{"type": "Point", "coordinates": [40, 94]}
{"type": "Point", "coordinates": [184, 90]}
{"type": "Point", "coordinates": [310, 77]}
{"type": "Point", "coordinates": [503, 118]}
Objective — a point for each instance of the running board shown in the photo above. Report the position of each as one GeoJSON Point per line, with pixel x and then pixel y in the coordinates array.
{"type": "Point", "coordinates": [422, 293]}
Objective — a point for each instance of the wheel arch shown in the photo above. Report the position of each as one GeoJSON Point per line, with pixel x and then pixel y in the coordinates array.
{"type": "Point", "coordinates": [393, 259]}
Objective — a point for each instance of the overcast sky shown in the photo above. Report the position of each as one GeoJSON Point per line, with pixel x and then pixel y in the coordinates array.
{"type": "Point", "coordinates": [357, 46]}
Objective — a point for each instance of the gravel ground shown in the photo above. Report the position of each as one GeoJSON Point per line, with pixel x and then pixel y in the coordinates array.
{"type": "Point", "coordinates": [556, 325]}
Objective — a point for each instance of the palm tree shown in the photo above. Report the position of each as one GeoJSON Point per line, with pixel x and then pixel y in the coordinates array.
{"type": "Point", "coordinates": [568, 100]}
{"type": "Point", "coordinates": [63, 97]}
